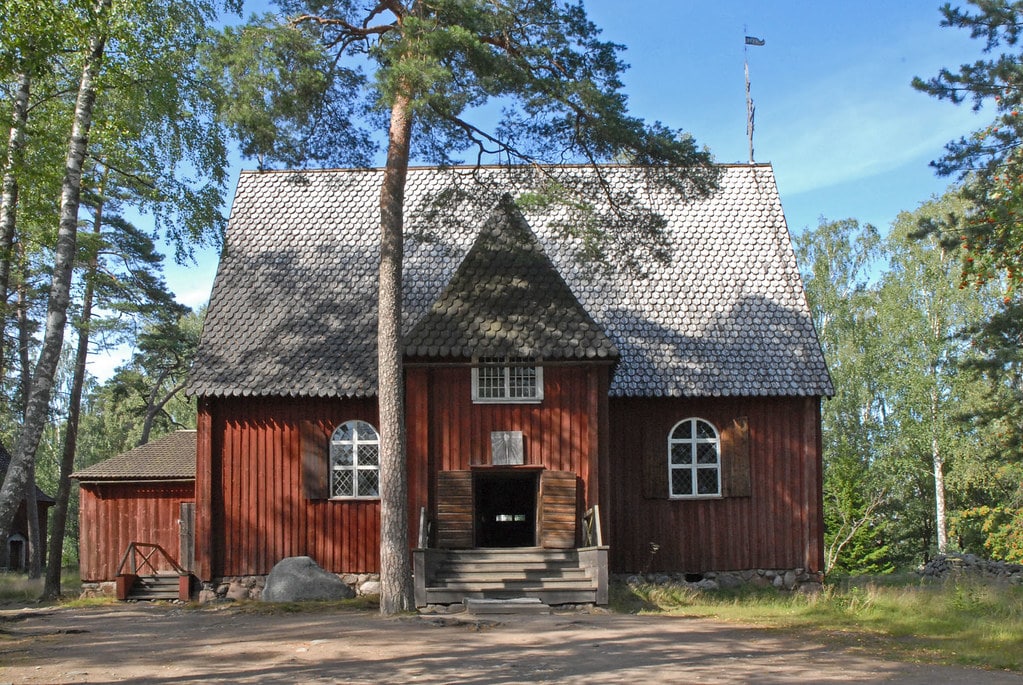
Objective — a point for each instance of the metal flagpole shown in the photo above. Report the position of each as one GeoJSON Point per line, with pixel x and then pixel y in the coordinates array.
{"type": "Point", "coordinates": [750, 109]}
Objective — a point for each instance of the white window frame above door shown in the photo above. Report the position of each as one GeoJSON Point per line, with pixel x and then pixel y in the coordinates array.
{"type": "Point", "coordinates": [507, 380]}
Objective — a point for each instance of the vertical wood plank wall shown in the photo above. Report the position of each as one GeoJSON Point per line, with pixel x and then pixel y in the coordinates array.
{"type": "Point", "coordinates": [258, 512]}
{"type": "Point", "coordinates": [259, 515]}
{"type": "Point", "coordinates": [111, 515]}
{"type": "Point", "coordinates": [448, 432]}
{"type": "Point", "coordinates": [778, 527]}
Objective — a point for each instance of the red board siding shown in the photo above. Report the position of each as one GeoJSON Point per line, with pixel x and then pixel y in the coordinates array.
{"type": "Point", "coordinates": [777, 527]}
{"type": "Point", "coordinates": [448, 432]}
{"type": "Point", "coordinates": [112, 515]}
{"type": "Point", "coordinates": [257, 510]}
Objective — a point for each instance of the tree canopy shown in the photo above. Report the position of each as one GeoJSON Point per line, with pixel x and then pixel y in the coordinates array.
{"type": "Point", "coordinates": [989, 160]}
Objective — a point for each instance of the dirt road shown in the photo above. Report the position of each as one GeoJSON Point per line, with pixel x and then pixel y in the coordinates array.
{"type": "Point", "coordinates": [140, 643]}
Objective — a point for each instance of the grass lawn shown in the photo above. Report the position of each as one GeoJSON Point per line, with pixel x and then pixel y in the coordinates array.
{"type": "Point", "coordinates": [17, 587]}
{"type": "Point", "coordinates": [959, 621]}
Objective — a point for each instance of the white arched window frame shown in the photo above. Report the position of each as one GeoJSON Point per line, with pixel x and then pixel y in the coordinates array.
{"type": "Point", "coordinates": [694, 459]}
{"type": "Point", "coordinates": [355, 461]}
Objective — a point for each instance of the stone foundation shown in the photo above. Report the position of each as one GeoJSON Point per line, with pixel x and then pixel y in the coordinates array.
{"type": "Point", "coordinates": [970, 565]}
{"type": "Point", "coordinates": [106, 588]}
{"type": "Point", "coordinates": [796, 579]}
{"type": "Point", "coordinates": [236, 588]}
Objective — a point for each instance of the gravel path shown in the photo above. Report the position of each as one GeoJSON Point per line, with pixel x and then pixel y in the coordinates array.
{"type": "Point", "coordinates": [141, 643]}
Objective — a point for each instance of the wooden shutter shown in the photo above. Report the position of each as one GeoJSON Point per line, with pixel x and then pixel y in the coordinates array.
{"type": "Point", "coordinates": [735, 459]}
{"type": "Point", "coordinates": [655, 463]}
{"type": "Point", "coordinates": [454, 510]}
{"type": "Point", "coordinates": [315, 446]}
{"type": "Point", "coordinates": [558, 493]}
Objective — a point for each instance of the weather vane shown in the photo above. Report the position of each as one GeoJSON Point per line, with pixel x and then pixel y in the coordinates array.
{"type": "Point", "coordinates": [750, 109]}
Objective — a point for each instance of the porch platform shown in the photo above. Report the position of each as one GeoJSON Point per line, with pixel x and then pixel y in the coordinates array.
{"type": "Point", "coordinates": [553, 576]}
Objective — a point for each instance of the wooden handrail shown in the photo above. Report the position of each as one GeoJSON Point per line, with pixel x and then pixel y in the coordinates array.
{"type": "Point", "coordinates": [591, 527]}
{"type": "Point", "coordinates": [135, 552]}
{"type": "Point", "coordinates": [424, 529]}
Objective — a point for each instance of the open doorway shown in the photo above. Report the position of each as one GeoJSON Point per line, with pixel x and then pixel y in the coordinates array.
{"type": "Point", "coordinates": [505, 507]}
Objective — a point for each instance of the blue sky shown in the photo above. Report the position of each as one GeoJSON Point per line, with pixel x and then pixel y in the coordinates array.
{"type": "Point", "coordinates": [835, 114]}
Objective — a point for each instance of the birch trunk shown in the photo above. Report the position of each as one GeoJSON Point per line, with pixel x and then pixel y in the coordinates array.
{"type": "Point", "coordinates": [37, 407]}
{"type": "Point", "coordinates": [938, 460]}
{"type": "Point", "coordinates": [9, 198]}
{"type": "Point", "coordinates": [396, 589]}
{"type": "Point", "coordinates": [58, 528]}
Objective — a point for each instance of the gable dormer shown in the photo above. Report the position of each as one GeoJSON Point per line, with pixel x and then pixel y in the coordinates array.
{"type": "Point", "coordinates": [507, 301]}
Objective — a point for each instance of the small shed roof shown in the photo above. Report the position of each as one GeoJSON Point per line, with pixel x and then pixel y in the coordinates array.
{"type": "Point", "coordinates": [293, 309]}
{"type": "Point", "coordinates": [170, 457]}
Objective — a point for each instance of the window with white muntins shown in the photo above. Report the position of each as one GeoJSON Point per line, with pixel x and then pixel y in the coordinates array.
{"type": "Point", "coordinates": [694, 459]}
{"type": "Point", "coordinates": [355, 461]}
{"type": "Point", "coordinates": [507, 379]}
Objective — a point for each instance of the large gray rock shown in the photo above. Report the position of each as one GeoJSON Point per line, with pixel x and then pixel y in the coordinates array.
{"type": "Point", "coordinates": [300, 578]}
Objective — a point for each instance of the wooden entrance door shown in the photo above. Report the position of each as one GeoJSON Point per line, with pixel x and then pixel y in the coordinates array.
{"type": "Point", "coordinates": [556, 519]}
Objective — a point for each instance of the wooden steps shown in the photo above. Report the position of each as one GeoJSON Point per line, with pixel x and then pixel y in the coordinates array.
{"type": "Point", "coordinates": [152, 588]}
{"type": "Point", "coordinates": [550, 576]}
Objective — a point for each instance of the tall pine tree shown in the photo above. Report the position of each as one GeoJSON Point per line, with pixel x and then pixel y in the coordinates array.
{"type": "Point", "coordinates": [426, 71]}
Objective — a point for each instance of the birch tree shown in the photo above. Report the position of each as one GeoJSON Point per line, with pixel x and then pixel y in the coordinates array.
{"type": "Point", "coordinates": [133, 41]}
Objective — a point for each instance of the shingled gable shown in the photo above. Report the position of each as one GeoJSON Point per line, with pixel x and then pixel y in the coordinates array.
{"type": "Point", "coordinates": [293, 308]}
{"type": "Point", "coordinates": [507, 300]}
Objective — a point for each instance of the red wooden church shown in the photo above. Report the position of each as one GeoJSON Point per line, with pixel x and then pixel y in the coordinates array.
{"type": "Point", "coordinates": [563, 421]}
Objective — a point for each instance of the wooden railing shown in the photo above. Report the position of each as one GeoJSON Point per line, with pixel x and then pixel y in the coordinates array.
{"type": "Point", "coordinates": [591, 527]}
{"type": "Point", "coordinates": [140, 555]}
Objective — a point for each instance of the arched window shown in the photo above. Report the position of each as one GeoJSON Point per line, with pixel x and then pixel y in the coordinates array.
{"type": "Point", "coordinates": [355, 460]}
{"type": "Point", "coordinates": [694, 459]}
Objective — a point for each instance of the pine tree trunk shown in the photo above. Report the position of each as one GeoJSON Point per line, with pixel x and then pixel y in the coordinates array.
{"type": "Point", "coordinates": [9, 199]}
{"type": "Point", "coordinates": [58, 528]}
{"type": "Point", "coordinates": [37, 407]}
{"type": "Point", "coordinates": [396, 589]}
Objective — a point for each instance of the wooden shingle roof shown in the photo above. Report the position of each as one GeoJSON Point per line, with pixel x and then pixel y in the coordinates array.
{"type": "Point", "coordinates": [507, 300]}
{"type": "Point", "coordinates": [293, 308]}
{"type": "Point", "coordinates": [168, 458]}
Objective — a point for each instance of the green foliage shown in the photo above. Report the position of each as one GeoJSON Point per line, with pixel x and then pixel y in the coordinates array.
{"type": "Point", "coordinates": [284, 97]}
{"type": "Point", "coordinates": [839, 261]}
{"type": "Point", "coordinates": [891, 318]}
{"type": "Point", "coordinates": [990, 228]}
{"type": "Point", "coordinates": [998, 531]}
{"type": "Point", "coordinates": [556, 83]}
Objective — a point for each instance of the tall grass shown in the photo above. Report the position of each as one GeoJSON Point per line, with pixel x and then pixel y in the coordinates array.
{"type": "Point", "coordinates": [18, 587]}
{"type": "Point", "coordinates": [961, 621]}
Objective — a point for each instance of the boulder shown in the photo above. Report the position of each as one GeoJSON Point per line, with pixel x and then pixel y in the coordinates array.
{"type": "Point", "coordinates": [300, 578]}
